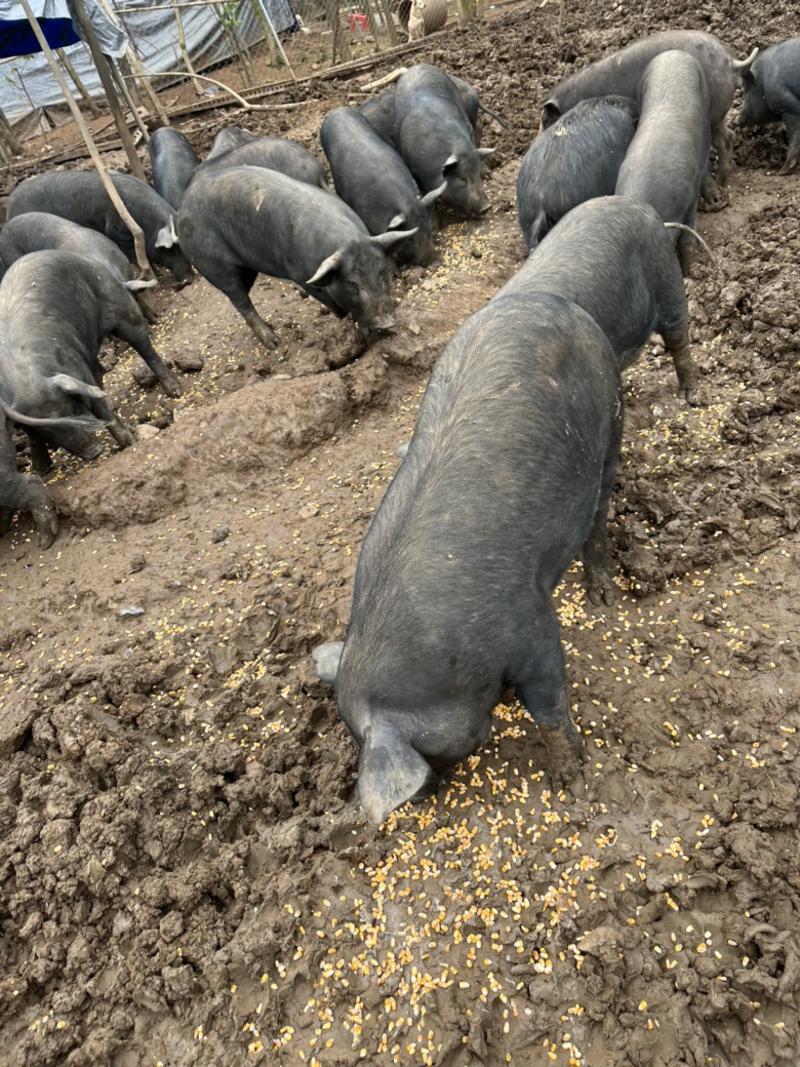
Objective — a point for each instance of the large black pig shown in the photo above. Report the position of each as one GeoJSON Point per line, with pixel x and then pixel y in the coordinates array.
{"type": "Point", "coordinates": [379, 110]}
{"type": "Point", "coordinates": [668, 157]}
{"type": "Point", "coordinates": [229, 137]}
{"type": "Point", "coordinates": [614, 258]}
{"type": "Point", "coordinates": [575, 159]}
{"type": "Point", "coordinates": [435, 138]}
{"type": "Point", "coordinates": [620, 73]}
{"type": "Point", "coordinates": [240, 222]}
{"type": "Point", "coordinates": [173, 163]}
{"type": "Point", "coordinates": [37, 230]}
{"type": "Point", "coordinates": [370, 176]}
{"type": "Point", "coordinates": [274, 153]}
{"type": "Point", "coordinates": [506, 479]}
{"type": "Point", "coordinates": [80, 196]}
{"type": "Point", "coordinates": [55, 310]}
{"type": "Point", "coordinates": [772, 94]}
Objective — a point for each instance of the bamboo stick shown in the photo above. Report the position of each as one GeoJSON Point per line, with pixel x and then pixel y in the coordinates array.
{"type": "Point", "coordinates": [106, 78]}
{"type": "Point", "coordinates": [70, 69]}
{"type": "Point", "coordinates": [108, 185]}
{"type": "Point", "coordinates": [187, 62]}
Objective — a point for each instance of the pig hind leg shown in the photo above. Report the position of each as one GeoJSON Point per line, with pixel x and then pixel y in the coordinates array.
{"type": "Point", "coordinates": [791, 122]}
{"type": "Point", "coordinates": [131, 328]}
{"type": "Point", "coordinates": [25, 493]}
{"type": "Point", "coordinates": [595, 553]}
{"type": "Point", "coordinates": [543, 691]}
{"type": "Point", "coordinates": [676, 342]}
{"type": "Point", "coordinates": [686, 242]}
{"type": "Point", "coordinates": [673, 325]}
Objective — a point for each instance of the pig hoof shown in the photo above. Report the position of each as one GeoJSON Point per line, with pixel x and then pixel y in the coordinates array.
{"type": "Point", "coordinates": [600, 590]}
{"type": "Point", "coordinates": [713, 202]}
{"type": "Point", "coordinates": [92, 452]}
{"type": "Point", "coordinates": [565, 753]}
{"type": "Point", "coordinates": [790, 166]}
{"type": "Point", "coordinates": [265, 334]}
{"type": "Point", "coordinates": [691, 396]}
{"type": "Point", "coordinates": [46, 521]}
{"type": "Point", "coordinates": [171, 386]}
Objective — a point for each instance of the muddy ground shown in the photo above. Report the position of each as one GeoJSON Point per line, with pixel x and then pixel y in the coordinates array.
{"type": "Point", "coordinates": [185, 876]}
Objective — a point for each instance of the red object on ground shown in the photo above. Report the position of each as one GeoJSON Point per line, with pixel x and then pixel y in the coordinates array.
{"type": "Point", "coordinates": [357, 22]}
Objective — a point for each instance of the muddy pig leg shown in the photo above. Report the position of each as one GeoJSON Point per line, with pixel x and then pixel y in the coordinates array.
{"type": "Point", "coordinates": [686, 243]}
{"type": "Point", "coordinates": [20, 492]}
{"type": "Point", "coordinates": [676, 342]}
{"type": "Point", "coordinates": [544, 694]}
{"type": "Point", "coordinates": [131, 328]}
{"type": "Point", "coordinates": [722, 140]}
{"type": "Point", "coordinates": [236, 283]}
{"type": "Point", "coordinates": [118, 430]}
{"type": "Point", "coordinates": [792, 125]}
{"type": "Point", "coordinates": [595, 553]}
{"type": "Point", "coordinates": [40, 455]}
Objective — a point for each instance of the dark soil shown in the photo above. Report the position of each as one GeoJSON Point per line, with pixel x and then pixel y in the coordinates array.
{"type": "Point", "coordinates": [186, 878]}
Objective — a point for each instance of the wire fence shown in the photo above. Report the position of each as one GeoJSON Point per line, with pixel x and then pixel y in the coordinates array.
{"type": "Point", "coordinates": [244, 43]}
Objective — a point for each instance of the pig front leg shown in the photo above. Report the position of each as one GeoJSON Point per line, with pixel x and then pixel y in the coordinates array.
{"type": "Point", "coordinates": [118, 430]}
{"type": "Point", "coordinates": [544, 694]}
{"type": "Point", "coordinates": [595, 553]}
{"type": "Point", "coordinates": [133, 331]}
{"type": "Point", "coordinates": [791, 123]}
{"type": "Point", "coordinates": [236, 283]}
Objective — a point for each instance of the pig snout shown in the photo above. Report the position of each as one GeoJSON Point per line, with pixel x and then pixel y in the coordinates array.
{"type": "Point", "coordinates": [385, 324]}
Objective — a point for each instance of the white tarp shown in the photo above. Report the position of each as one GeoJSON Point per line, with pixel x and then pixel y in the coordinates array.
{"type": "Point", "coordinates": [156, 41]}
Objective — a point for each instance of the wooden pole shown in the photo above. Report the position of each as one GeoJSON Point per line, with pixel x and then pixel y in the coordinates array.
{"type": "Point", "coordinates": [373, 23]}
{"type": "Point", "coordinates": [123, 88]}
{"type": "Point", "coordinates": [223, 13]}
{"type": "Point", "coordinates": [187, 62]}
{"type": "Point", "coordinates": [391, 29]}
{"type": "Point", "coordinates": [107, 79]}
{"type": "Point", "coordinates": [274, 57]}
{"type": "Point", "coordinates": [276, 38]}
{"type": "Point", "coordinates": [85, 94]}
{"type": "Point", "coordinates": [137, 67]}
{"type": "Point", "coordinates": [108, 185]}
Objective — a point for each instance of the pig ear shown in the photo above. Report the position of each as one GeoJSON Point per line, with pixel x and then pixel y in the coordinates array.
{"type": "Point", "coordinates": [429, 199]}
{"type": "Point", "coordinates": [391, 237]}
{"type": "Point", "coordinates": [390, 772]}
{"type": "Point", "coordinates": [326, 660]}
{"type": "Point", "coordinates": [397, 222]}
{"type": "Point", "coordinates": [449, 164]}
{"type": "Point", "coordinates": [550, 112]}
{"type": "Point", "coordinates": [167, 235]}
{"type": "Point", "coordinates": [326, 270]}
{"type": "Point", "coordinates": [75, 387]}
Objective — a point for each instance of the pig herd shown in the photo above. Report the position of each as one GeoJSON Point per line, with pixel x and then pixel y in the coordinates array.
{"type": "Point", "coordinates": [509, 472]}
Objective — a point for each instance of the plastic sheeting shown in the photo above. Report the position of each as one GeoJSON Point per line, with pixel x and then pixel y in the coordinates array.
{"type": "Point", "coordinates": [156, 42]}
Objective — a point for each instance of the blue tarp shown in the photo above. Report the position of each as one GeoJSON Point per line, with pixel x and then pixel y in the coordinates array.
{"type": "Point", "coordinates": [17, 38]}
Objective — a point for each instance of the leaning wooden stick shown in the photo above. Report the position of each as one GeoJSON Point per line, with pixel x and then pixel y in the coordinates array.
{"type": "Point", "coordinates": [108, 185]}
